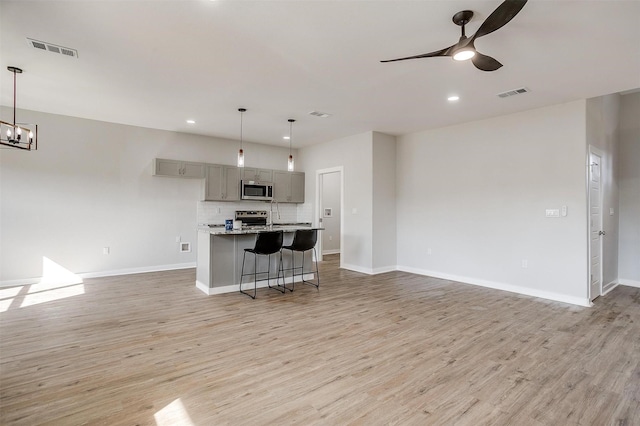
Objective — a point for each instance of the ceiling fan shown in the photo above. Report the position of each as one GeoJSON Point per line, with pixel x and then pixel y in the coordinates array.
{"type": "Point", "coordinates": [464, 49]}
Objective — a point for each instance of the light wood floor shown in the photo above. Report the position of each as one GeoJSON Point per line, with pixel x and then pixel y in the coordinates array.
{"type": "Point", "coordinates": [395, 348]}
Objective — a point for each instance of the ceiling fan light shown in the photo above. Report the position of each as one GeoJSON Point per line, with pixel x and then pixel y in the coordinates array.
{"type": "Point", "coordinates": [464, 54]}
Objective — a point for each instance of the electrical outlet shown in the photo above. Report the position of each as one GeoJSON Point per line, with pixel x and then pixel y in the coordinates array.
{"type": "Point", "coordinates": [525, 263]}
{"type": "Point", "coordinates": [105, 250]}
{"type": "Point", "coordinates": [552, 213]}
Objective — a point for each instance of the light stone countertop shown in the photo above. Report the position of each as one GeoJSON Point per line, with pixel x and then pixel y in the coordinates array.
{"type": "Point", "coordinates": [288, 227]}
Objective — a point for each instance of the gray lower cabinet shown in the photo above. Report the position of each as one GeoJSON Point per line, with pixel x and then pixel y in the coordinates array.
{"type": "Point", "coordinates": [176, 168]}
{"type": "Point", "coordinates": [259, 175]}
{"type": "Point", "coordinates": [222, 183]}
{"type": "Point", "coordinates": [288, 187]}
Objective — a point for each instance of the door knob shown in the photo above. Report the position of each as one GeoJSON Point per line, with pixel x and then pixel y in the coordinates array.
{"type": "Point", "coordinates": [601, 233]}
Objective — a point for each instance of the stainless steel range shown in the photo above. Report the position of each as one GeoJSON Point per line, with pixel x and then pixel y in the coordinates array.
{"type": "Point", "coordinates": [252, 218]}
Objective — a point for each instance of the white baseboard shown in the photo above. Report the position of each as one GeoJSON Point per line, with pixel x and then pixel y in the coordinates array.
{"type": "Point", "coordinates": [335, 251]}
{"type": "Point", "coordinates": [369, 271]}
{"type": "Point", "coordinates": [110, 273]}
{"type": "Point", "coordinates": [248, 286]}
{"type": "Point", "coordinates": [629, 283]}
{"type": "Point", "coordinates": [608, 287]}
{"type": "Point", "coordinates": [384, 270]}
{"type": "Point", "coordinates": [356, 268]}
{"type": "Point", "coordinates": [501, 286]}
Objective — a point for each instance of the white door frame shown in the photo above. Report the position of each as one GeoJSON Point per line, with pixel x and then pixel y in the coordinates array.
{"type": "Point", "coordinates": [598, 152]}
{"type": "Point", "coordinates": [318, 207]}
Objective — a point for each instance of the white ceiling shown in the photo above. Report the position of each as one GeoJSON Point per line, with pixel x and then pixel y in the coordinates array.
{"type": "Point", "coordinates": [157, 63]}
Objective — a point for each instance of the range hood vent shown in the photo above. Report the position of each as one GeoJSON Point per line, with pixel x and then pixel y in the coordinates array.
{"type": "Point", "coordinates": [513, 92]}
{"type": "Point", "coordinates": [53, 48]}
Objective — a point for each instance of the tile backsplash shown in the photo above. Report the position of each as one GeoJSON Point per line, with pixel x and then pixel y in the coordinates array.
{"type": "Point", "coordinates": [213, 212]}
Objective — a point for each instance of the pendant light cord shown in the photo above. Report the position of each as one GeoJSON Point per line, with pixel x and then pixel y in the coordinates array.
{"type": "Point", "coordinates": [290, 135]}
{"type": "Point", "coordinates": [14, 100]}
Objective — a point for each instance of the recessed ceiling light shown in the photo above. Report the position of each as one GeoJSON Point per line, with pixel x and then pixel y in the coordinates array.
{"type": "Point", "coordinates": [453, 98]}
{"type": "Point", "coordinates": [191, 121]}
{"type": "Point", "coordinates": [286, 137]}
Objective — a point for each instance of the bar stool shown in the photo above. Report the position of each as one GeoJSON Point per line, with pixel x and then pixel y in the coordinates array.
{"type": "Point", "coordinates": [267, 243]}
{"type": "Point", "coordinates": [303, 240]}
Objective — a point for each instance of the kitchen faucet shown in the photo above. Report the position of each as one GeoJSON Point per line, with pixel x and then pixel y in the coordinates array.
{"type": "Point", "coordinates": [271, 211]}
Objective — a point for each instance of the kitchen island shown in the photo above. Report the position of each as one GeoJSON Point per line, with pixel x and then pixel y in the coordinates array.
{"type": "Point", "coordinates": [220, 252]}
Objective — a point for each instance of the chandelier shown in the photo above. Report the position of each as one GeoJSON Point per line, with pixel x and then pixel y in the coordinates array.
{"type": "Point", "coordinates": [18, 135]}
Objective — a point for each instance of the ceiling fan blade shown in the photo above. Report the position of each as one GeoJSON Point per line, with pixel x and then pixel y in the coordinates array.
{"type": "Point", "coordinates": [500, 17]}
{"type": "Point", "coordinates": [443, 52]}
{"type": "Point", "coordinates": [485, 63]}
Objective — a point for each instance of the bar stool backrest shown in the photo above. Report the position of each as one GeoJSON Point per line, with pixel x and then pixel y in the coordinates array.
{"type": "Point", "coordinates": [304, 239]}
{"type": "Point", "coordinates": [268, 242]}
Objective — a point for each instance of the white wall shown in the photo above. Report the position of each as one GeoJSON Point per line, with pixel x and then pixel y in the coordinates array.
{"type": "Point", "coordinates": [354, 154]}
{"type": "Point", "coordinates": [89, 186]}
{"type": "Point", "coordinates": [331, 225]}
{"type": "Point", "coordinates": [629, 182]}
{"type": "Point", "coordinates": [602, 132]}
{"type": "Point", "coordinates": [476, 194]}
{"type": "Point", "coordinates": [384, 203]}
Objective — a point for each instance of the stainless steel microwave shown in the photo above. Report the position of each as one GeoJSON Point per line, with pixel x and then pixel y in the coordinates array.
{"type": "Point", "coordinates": [254, 190]}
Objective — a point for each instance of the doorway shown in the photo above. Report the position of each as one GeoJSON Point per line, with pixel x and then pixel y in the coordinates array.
{"type": "Point", "coordinates": [596, 233]}
{"type": "Point", "coordinates": [329, 212]}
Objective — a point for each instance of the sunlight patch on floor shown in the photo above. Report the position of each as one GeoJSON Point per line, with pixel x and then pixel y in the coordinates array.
{"type": "Point", "coordinates": [173, 414]}
{"type": "Point", "coordinates": [51, 295]}
{"type": "Point", "coordinates": [54, 276]}
{"type": "Point", "coordinates": [57, 283]}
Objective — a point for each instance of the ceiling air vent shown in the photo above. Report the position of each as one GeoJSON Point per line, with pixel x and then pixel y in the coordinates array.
{"type": "Point", "coordinates": [513, 92]}
{"type": "Point", "coordinates": [320, 114]}
{"type": "Point", "coordinates": [54, 48]}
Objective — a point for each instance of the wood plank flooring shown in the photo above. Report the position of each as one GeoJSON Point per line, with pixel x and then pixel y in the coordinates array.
{"type": "Point", "coordinates": [396, 348]}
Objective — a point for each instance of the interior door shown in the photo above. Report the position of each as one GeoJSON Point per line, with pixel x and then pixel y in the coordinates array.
{"type": "Point", "coordinates": [595, 227]}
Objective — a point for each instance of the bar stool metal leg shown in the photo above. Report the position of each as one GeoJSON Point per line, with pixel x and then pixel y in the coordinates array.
{"type": "Point", "coordinates": [242, 276]}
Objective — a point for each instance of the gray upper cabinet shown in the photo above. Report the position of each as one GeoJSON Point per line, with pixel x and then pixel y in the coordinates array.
{"type": "Point", "coordinates": [260, 175]}
{"type": "Point", "coordinates": [288, 187]}
{"type": "Point", "coordinates": [176, 168]}
{"type": "Point", "coordinates": [222, 183]}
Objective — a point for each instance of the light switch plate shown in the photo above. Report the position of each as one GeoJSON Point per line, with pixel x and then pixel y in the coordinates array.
{"type": "Point", "coordinates": [611, 211]}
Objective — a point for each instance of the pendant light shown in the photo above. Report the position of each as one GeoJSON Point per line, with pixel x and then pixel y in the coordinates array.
{"type": "Point", "coordinates": [241, 151]}
{"type": "Point", "coordinates": [11, 134]}
{"type": "Point", "coordinates": [290, 162]}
